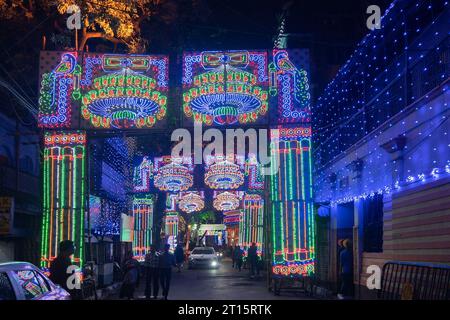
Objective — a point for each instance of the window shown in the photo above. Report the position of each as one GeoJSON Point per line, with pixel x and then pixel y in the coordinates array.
{"type": "Point", "coordinates": [44, 284]}
{"type": "Point", "coordinates": [26, 165]}
{"type": "Point", "coordinates": [373, 224]}
{"type": "Point", "coordinates": [203, 251]}
{"type": "Point", "coordinates": [6, 289]}
{"type": "Point", "coordinates": [30, 284]}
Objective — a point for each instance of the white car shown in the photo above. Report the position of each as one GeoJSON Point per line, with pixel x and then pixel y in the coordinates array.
{"type": "Point", "coordinates": [24, 281]}
{"type": "Point", "coordinates": [203, 257]}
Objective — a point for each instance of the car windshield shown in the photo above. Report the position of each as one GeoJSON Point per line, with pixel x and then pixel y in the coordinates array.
{"type": "Point", "coordinates": [203, 251]}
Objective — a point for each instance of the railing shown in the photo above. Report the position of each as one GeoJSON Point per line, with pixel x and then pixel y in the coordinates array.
{"type": "Point", "coordinates": [414, 281]}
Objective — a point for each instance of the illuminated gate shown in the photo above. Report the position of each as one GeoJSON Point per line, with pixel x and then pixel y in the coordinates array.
{"type": "Point", "coordinates": [221, 89]}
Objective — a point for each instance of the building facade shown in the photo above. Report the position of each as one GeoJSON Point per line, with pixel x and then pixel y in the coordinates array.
{"type": "Point", "coordinates": [381, 149]}
{"type": "Point", "coordinates": [19, 190]}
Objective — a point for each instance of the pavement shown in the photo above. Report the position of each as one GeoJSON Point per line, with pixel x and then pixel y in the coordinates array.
{"type": "Point", "coordinates": [224, 283]}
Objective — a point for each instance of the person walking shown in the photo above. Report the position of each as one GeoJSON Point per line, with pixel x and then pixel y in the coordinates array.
{"type": "Point", "coordinates": [252, 257]}
{"type": "Point", "coordinates": [233, 258]}
{"type": "Point", "coordinates": [238, 254]}
{"type": "Point", "coordinates": [166, 262]}
{"type": "Point", "coordinates": [179, 256]}
{"type": "Point", "coordinates": [59, 267]}
{"type": "Point", "coordinates": [152, 273]}
{"type": "Point", "coordinates": [346, 268]}
{"type": "Point", "coordinates": [130, 278]}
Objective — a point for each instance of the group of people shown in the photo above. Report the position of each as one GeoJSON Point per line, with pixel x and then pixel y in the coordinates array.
{"type": "Point", "coordinates": [253, 260]}
{"type": "Point", "coordinates": [158, 271]}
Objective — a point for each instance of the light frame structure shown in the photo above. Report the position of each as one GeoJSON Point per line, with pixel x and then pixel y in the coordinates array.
{"type": "Point", "coordinates": [143, 206]}
{"type": "Point", "coordinates": [64, 193]}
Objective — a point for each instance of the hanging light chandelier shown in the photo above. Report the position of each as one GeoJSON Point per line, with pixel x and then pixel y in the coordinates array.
{"type": "Point", "coordinates": [173, 177]}
{"type": "Point", "coordinates": [226, 201]}
{"type": "Point", "coordinates": [191, 202]}
{"type": "Point", "coordinates": [224, 175]}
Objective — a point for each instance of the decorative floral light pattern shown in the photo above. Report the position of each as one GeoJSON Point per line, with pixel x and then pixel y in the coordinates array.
{"type": "Point", "coordinates": [224, 175]}
{"type": "Point", "coordinates": [173, 177]}
{"type": "Point", "coordinates": [126, 97]}
{"type": "Point", "coordinates": [57, 86]}
{"type": "Point", "coordinates": [173, 174]}
{"type": "Point", "coordinates": [191, 201]}
{"type": "Point", "coordinates": [227, 200]}
{"type": "Point", "coordinates": [228, 87]}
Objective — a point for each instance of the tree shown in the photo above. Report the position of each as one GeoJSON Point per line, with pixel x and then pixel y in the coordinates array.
{"type": "Point", "coordinates": [118, 21]}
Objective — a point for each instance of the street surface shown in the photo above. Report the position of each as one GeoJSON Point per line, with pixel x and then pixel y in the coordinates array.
{"type": "Point", "coordinates": [224, 283]}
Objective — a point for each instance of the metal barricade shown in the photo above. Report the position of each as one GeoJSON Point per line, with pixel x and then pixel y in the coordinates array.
{"type": "Point", "coordinates": [414, 281]}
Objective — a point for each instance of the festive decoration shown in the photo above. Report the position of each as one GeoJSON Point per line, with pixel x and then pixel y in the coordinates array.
{"type": "Point", "coordinates": [64, 183]}
{"type": "Point", "coordinates": [227, 200]}
{"type": "Point", "coordinates": [127, 96]}
{"type": "Point", "coordinates": [143, 224]}
{"type": "Point", "coordinates": [57, 86]}
{"type": "Point", "coordinates": [173, 174]}
{"type": "Point", "coordinates": [191, 201]}
{"type": "Point", "coordinates": [292, 204]}
{"type": "Point", "coordinates": [231, 217]}
{"type": "Point", "coordinates": [142, 175]}
{"type": "Point", "coordinates": [224, 88]}
{"type": "Point", "coordinates": [395, 84]}
{"type": "Point", "coordinates": [251, 223]}
{"type": "Point", "coordinates": [224, 175]}
{"type": "Point", "coordinates": [115, 91]}
{"type": "Point", "coordinates": [291, 85]}
{"type": "Point", "coordinates": [252, 170]}
{"type": "Point", "coordinates": [171, 228]}
{"type": "Point", "coordinates": [104, 216]}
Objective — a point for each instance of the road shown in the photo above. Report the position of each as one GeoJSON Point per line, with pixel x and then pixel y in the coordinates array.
{"type": "Point", "coordinates": [224, 283]}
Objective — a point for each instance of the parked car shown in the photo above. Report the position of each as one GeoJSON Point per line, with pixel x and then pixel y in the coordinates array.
{"type": "Point", "coordinates": [24, 281]}
{"type": "Point", "coordinates": [203, 257]}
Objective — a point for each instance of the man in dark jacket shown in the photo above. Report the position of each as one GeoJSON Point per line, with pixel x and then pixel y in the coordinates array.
{"type": "Point", "coordinates": [60, 265]}
{"type": "Point", "coordinates": [238, 257]}
{"type": "Point", "coordinates": [152, 272]}
{"type": "Point", "coordinates": [346, 266]}
{"type": "Point", "coordinates": [179, 256]}
{"type": "Point", "coordinates": [166, 262]}
{"type": "Point", "coordinates": [252, 256]}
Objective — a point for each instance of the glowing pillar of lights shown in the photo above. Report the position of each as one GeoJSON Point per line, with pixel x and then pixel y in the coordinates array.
{"type": "Point", "coordinates": [292, 203]}
{"type": "Point", "coordinates": [143, 224]}
{"type": "Point", "coordinates": [171, 228]}
{"type": "Point", "coordinates": [64, 184]}
{"type": "Point", "coordinates": [251, 224]}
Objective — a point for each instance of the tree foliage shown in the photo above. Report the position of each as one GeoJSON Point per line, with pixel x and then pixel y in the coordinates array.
{"type": "Point", "coordinates": [118, 21]}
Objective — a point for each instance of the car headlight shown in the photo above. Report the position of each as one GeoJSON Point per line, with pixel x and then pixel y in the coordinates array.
{"type": "Point", "coordinates": [214, 263]}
